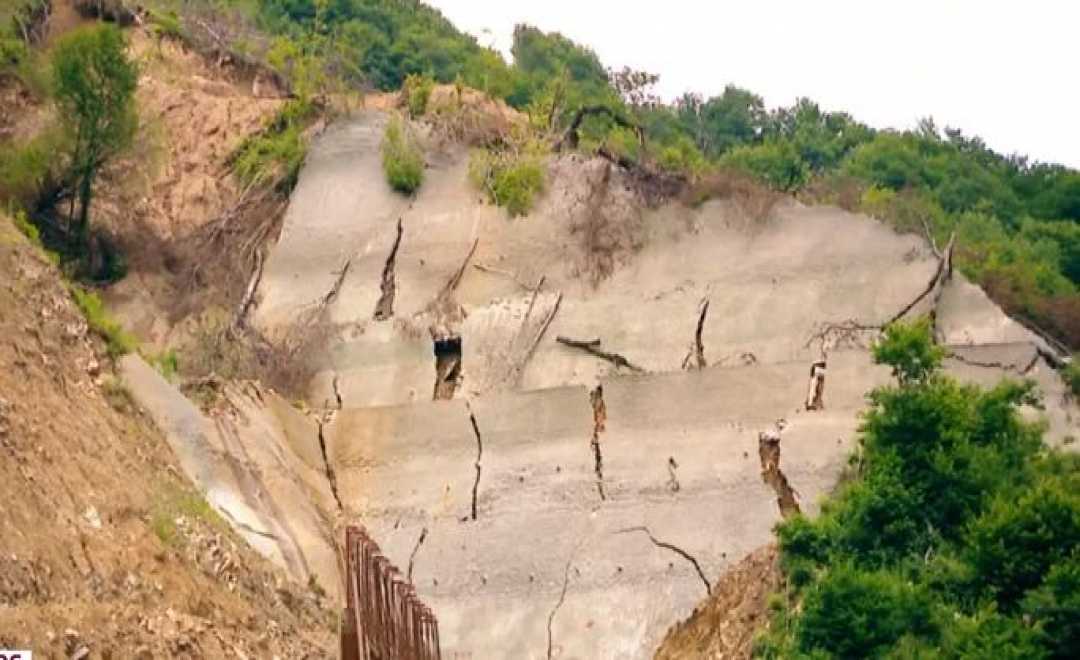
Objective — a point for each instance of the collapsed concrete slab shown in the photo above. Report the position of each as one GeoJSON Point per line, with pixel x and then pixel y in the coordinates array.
{"type": "Point", "coordinates": [259, 464]}
{"type": "Point", "coordinates": [505, 505]}
{"type": "Point", "coordinates": [638, 393]}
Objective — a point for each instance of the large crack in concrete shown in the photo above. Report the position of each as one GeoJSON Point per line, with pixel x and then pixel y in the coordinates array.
{"type": "Point", "coordinates": [592, 346]}
{"type": "Point", "coordinates": [558, 604]}
{"type": "Point", "coordinates": [479, 457]}
{"type": "Point", "coordinates": [1023, 371]}
{"type": "Point", "coordinates": [697, 350]}
{"type": "Point", "coordinates": [673, 548]}
{"type": "Point", "coordinates": [772, 475]}
{"type": "Point", "coordinates": [331, 477]}
{"type": "Point", "coordinates": [596, 397]}
{"type": "Point", "coordinates": [416, 549]}
{"type": "Point", "coordinates": [384, 308]}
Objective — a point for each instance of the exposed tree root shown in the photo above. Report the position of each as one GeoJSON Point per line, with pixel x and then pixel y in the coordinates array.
{"type": "Point", "coordinates": [674, 548]}
{"type": "Point", "coordinates": [593, 348]}
{"type": "Point", "coordinates": [249, 294]}
{"type": "Point", "coordinates": [934, 286]}
{"type": "Point", "coordinates": [484, 268]}
{"type": "Point", "coordinates": [454, 281]}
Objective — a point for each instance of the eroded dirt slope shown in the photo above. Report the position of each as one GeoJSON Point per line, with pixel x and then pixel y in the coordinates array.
{"type": "Point", "coordinates": [104, 545]}
{"type": "Point", "coordinates": [723, 627]}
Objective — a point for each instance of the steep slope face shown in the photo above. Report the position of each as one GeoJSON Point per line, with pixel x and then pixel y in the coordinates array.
{"type": "Point", "coordinates": [104, 545]}
{"type": "Point", "coordinates": [621, 378]}
{"type": "Point", "coordinates": [159, 199]}
{"type": "Point", "coordinates": [723, 627]}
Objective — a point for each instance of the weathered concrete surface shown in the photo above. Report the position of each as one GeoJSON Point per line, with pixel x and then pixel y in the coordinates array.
{"type": "Point", "coordinates": [493, 581]}
{"type": "Point", "coordinates": [678, 449]}
{"type": "Point", "coordinates": [342, 188]}
{"type": "Point", "coordinates": [771, 284]}
{"type": "Point", "coordinates": [258, 463]}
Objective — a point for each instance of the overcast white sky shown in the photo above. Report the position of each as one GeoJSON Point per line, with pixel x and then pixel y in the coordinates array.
{"type": "Point", "coordinates": [1004, 70]}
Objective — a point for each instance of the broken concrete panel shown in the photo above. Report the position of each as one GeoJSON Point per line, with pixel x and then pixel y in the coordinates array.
{"type": "Point", "coordinates": [966, 316]}
{"type": "Point", "coordinates": [989, 365]}
{"type": "Point", "coordinates": [403, 469]}
{"type": "Point", "coordinates": [243, 463]}
{"type": "Point", "coordinates": [386, 363]}
{"type": "Point", "coordinates": [342, 209]}
{"type": "Point", "coordinates": [403, 462]}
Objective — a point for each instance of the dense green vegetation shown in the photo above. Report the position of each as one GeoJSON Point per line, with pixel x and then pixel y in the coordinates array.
{"type": "Point", "coordinates": [958, 535]}
{"type": "Point", "coordinates": [1016, 220]}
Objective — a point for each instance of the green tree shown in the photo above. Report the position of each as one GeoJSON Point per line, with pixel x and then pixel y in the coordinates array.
{"type": "Point", "coordinates": [909, 349]}
{"type": "Point", "coordinates": [94, 87]}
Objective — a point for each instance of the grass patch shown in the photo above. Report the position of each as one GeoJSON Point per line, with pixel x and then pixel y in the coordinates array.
{"type": "Point", "coordinates": [167, 363]}
{"type": "Point", "coordinates": [275, 154]}
{"type": "Point", "coordinates": [402, 161]}
{"type": "Point", "coordinates": [25, 168]}
{"type": "Point", "coordinates": [512, 179]}
{"type": "Point", "coordinates": [118, 395]}
{"type": "Point", "coordinates": [173, 508]}
{"type": "Point", "coordinates": [117, 340]}
{"type": "Point", "coordinates": [417, 89]}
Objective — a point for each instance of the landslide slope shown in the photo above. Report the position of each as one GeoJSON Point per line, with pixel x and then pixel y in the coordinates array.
{"type": "Point", "coordinates": [104, 544]}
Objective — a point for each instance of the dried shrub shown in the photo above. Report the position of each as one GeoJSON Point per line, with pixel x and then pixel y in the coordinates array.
{"type": "Point", "coordinates": [754, 198]}
{"type": "Point", "coordinates": [608, 221]}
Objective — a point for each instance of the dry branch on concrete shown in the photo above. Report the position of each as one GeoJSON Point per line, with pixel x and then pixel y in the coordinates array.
{"type": "Point", "coordinates": [593, 348]}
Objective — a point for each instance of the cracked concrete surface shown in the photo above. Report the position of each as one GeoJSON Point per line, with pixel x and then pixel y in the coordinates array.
{"type": "Point", "coordinates": [496, 488]}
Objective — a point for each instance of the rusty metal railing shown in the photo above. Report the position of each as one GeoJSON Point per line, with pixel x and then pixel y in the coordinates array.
{"type": "Point", "coordinates": [383, 618]}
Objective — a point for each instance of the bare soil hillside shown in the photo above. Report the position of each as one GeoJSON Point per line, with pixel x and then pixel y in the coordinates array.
{"type": "Point", "coordinates": [104, 545]}
{"type": "Point", "coordinates": [724, 626]}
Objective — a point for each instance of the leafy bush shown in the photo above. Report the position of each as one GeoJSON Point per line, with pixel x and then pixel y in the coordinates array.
{"type": "Point", "coordinates": [1055, 607]}
{"type": "Point", "coordinates": [25, 168]}
{"type": "Point", "coordinates": [117, 340]}
{"type": "Point", "coordinates": [776, 163]}
{"type": "Point", "coordinates": [512, 179]}
{"type": "Point", "coordinates": [94, 84]}
{"type": "Point", "coordinates": [1016, 542]}
{"type": "Point", "coordinates": [402, 161]}
{"type": "Point", "coordinates": [957, 537]}
{"type": "Point", "coordinates": [909, 349]}
{"type": "Point", "coordinates": [682, 156]}
{"type": "Point", "coordinates": [417, 90]}
{"type": "Point", "coordinates": [1071, 374]}
{"type": "Point", "coordinates": [850, 613]}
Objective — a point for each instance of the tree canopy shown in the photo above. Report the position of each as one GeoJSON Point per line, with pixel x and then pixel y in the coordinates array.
{"type": "Point", "coordinates": [94, 87]}
{"type": "Point", "coordinates": [959, 535]}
